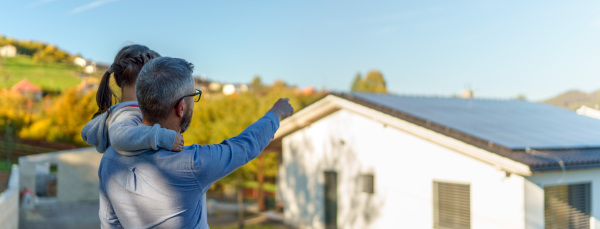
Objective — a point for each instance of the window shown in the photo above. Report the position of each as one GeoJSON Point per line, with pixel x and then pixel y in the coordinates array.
{"type": "Point", "coordinates": [366, 181]}
{"type": "Point", "coordinates": [567, 206]}
{"type": "Point", "coordinates": [451, 205]}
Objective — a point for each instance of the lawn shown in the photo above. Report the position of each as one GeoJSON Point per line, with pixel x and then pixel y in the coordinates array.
{"type": "Point", "coordinates": [4, 167]}
{"type": "Point", "coordinates": [266, 186]}
{"type": "Point", "coordinates": [51, 75]}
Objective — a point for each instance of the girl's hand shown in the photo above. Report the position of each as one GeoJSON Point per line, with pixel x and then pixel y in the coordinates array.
{"type": "Point", "coordinates": [178, 144]}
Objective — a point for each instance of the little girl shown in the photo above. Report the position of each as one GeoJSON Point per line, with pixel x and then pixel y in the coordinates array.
{"type": "Point", "coordinates": [120, 125]}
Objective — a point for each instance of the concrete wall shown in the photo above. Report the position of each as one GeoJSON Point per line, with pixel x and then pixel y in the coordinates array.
{"type": "Point", "coordinates": [9, 201]}
{"type": "Point", "coordinates": [77, 177]}
{"type": "Point", "coordinates": [534, 193]}
{"type": "Point", "coordinates": [404, 168]}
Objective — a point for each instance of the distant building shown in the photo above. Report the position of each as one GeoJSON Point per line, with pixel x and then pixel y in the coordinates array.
{"type": "Point", "coordinates": [383, 161]}
{"type": "Point", "coordinates": [8, 51]}
{"type": "Point", "coordinates": [588, 111]}
{"type": "Point", "coordinates": [90, 68]}
{"type": "Point", "coordinates": [87, 85]}
{"type": "Point", "coordinates": [214, 87]}
{"type": "Point", "coordinates": [27, 88]}
{"type": "Point", "coordinates": [467, 94]}
{"type": "Point", "coordinates": [229, 89]}
{"type": "Point", "coordinates": [80, 62]}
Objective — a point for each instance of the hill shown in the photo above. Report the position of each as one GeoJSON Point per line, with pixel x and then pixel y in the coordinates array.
{"type": "Point", "coordinates": [575, 99]}
{"type": "Point", "coordinates": [59, 75]}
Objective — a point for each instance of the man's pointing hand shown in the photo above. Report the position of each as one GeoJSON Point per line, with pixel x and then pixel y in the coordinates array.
{"type": "Point", "coordinates": [282, 108]}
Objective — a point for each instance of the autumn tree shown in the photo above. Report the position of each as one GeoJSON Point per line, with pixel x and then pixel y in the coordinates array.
{"type": "Point", "coordinates": [373, 83]}
{"type": "Point", "coordinates": [256, 83]}
{"type": "Point", "coordinates": [63, 120]}
{"type": "Point", "coordinates": [356, 83]}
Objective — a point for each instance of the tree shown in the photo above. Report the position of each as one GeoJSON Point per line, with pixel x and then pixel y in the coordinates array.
{"type": "Point", "coordinates": [373, 83]}
{"type": "Point", "coordinates": [256, 83]}
{"type": "Point", "coordinates": [356, 83]}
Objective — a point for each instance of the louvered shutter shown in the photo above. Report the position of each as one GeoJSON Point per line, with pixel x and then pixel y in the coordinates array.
{"type": "Point", "coordinates": [451, 205]}
{"type": "Point", "coordinates": [367, 181]}
{"type": "Point", "coordinates": [567, 206]}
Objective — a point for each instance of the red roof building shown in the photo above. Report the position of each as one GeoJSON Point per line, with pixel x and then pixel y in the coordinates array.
{"type": "Point", "coordinates": [24, 86]}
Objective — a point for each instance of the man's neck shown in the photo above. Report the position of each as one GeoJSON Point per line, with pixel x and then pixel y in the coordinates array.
{"type": "Point", "coordinates": [164, 124]}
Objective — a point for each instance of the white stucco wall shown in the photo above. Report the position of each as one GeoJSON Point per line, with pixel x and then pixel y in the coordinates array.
{"type": "Point", "coordinates": [77, 178]}
{"type": "Point", "coordinates": [534, 193]}
{"type": "Point", "coordinates": [404, 167]}
{"type": "Point", "coordinates": [9, 201]}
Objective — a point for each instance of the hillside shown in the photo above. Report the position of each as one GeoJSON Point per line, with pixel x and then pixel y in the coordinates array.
{"type": "Point", "coordinates": [575, 99]}
{"type": "Point", "coordinates": [46, 75]}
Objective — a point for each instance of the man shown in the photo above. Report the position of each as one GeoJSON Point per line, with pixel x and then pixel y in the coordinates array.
{"type": "Point", "coordinates": [165, 189]}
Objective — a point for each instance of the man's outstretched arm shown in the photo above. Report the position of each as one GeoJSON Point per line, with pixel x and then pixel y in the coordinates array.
{"type": "Point", "coordinates": [212, 162]}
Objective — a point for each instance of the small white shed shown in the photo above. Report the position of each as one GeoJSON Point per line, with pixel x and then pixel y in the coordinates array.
{"type": "Point", "coordinates": [384, 161]}
{"type": "Point", "coordinates": [8, 51]}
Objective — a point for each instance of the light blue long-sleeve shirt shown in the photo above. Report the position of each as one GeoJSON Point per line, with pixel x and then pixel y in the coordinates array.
{"type": "Point", "coordinates": [166, 189]}
{"type": "Point", "coordinates": [122, 129]}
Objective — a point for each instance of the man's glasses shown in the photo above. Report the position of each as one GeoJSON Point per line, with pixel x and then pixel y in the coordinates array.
{"type": "Point", "coordinates": [196, 95]}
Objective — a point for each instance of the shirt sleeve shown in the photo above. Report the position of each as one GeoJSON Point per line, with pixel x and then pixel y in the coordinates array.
{"type": "Point", "coordinates": [213, 162]}
{"type": "Point", "coordinates": [129, 136]}
{"type": "Point", "coordinates": [95, 133]}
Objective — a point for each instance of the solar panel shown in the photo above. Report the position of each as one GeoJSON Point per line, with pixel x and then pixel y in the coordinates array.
{"type": "Point", "coordinates": [513, 124]}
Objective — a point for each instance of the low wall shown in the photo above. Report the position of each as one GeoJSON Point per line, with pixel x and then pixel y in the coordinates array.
{"type": "Point", "coordinates": [9, 201]}
{"type": "Point", "coordinates": [77, 175]}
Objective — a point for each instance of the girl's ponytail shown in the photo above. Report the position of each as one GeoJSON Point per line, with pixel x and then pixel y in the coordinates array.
{"type": "Point", "coordinates": [105, 94]}
{"type": "Point", "coordinates": [125, 69]}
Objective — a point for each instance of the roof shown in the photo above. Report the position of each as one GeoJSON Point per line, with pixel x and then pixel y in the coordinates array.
{"type": "Point", "coordinates": [514, 135]}
{"type": "Point", "coordinates": [25, 86]}
{"type": "Point", "coordinates": [537, 135]}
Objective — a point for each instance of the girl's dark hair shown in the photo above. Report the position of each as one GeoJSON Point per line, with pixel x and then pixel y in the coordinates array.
{"type": "Point", "coordinates": [128, 63]}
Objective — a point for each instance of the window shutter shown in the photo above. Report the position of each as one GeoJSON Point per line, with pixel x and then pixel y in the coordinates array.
{"type": "Point", "coordinates": [367, 182]}
{"type": "Point", "coordinates": [451, 205]}
{"type": "Point", "coordinates": [567, 206]}
{"type": "Point", "coordinates": [330, 200]}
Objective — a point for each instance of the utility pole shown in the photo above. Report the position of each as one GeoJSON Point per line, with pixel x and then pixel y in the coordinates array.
{"type": "Point", "coordinates": [261, 179]}
{"type": "Point", "coordinates": [240, 199]}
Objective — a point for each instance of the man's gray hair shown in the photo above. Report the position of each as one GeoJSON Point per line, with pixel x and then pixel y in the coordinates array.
{"type": "Point", "coordinates": [161, 82]}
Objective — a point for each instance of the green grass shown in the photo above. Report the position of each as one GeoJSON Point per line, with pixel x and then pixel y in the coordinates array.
{"type": "Point", "coordinates": [50, 75]}
{"type": "Point", "coordinates": [266, 186]}
{"type": "Point", "coordinates": [4, 167]}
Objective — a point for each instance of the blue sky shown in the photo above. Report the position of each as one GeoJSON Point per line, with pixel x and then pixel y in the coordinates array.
{"type": "Point", "coordinates": [499, 48]}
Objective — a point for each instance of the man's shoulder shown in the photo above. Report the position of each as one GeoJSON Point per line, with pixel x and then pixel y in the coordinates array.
{"type": "Point", "coordinates": [161, 159]}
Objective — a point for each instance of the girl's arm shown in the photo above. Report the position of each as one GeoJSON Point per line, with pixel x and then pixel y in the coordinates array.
{"type": "Point", "coordinates": [130, 137]}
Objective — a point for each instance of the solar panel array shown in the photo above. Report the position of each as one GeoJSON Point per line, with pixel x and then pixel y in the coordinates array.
{"type": "Point", "coordinates": [513, 124]}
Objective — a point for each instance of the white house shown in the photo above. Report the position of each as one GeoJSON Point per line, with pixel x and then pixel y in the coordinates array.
{"type": "Point", "coordinates": [90, 68]}
{"type": "Point", "coordinates": [229, 89]}
{"type": "Point", "coordinates": [588, 111]}
{"type": "Point", "coordinates": [80, 62]}
{"type": "Point", "coordinates": [8, 51]}
{"type": "Point", "coordinates": [384, 161]}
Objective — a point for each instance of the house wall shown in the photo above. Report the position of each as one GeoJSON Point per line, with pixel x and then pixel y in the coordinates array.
{"type": "Point", "coordinates": [404, 167]}
{"type": "Point", "coordinates": [9, 201]}
{"type": "Point", "coordinates": [8, 51]}
{"type": "Point", "coordinates": [534, 193]}
{"type": "Point", "coordinates": [77, 177]}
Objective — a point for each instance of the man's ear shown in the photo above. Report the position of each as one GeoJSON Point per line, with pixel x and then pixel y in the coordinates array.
{"type": "Point", "coordinates": [179, 108]}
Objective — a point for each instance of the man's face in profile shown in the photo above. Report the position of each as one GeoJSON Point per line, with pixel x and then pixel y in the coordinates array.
{"type": "Point", "coordinates": [187, 118]}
